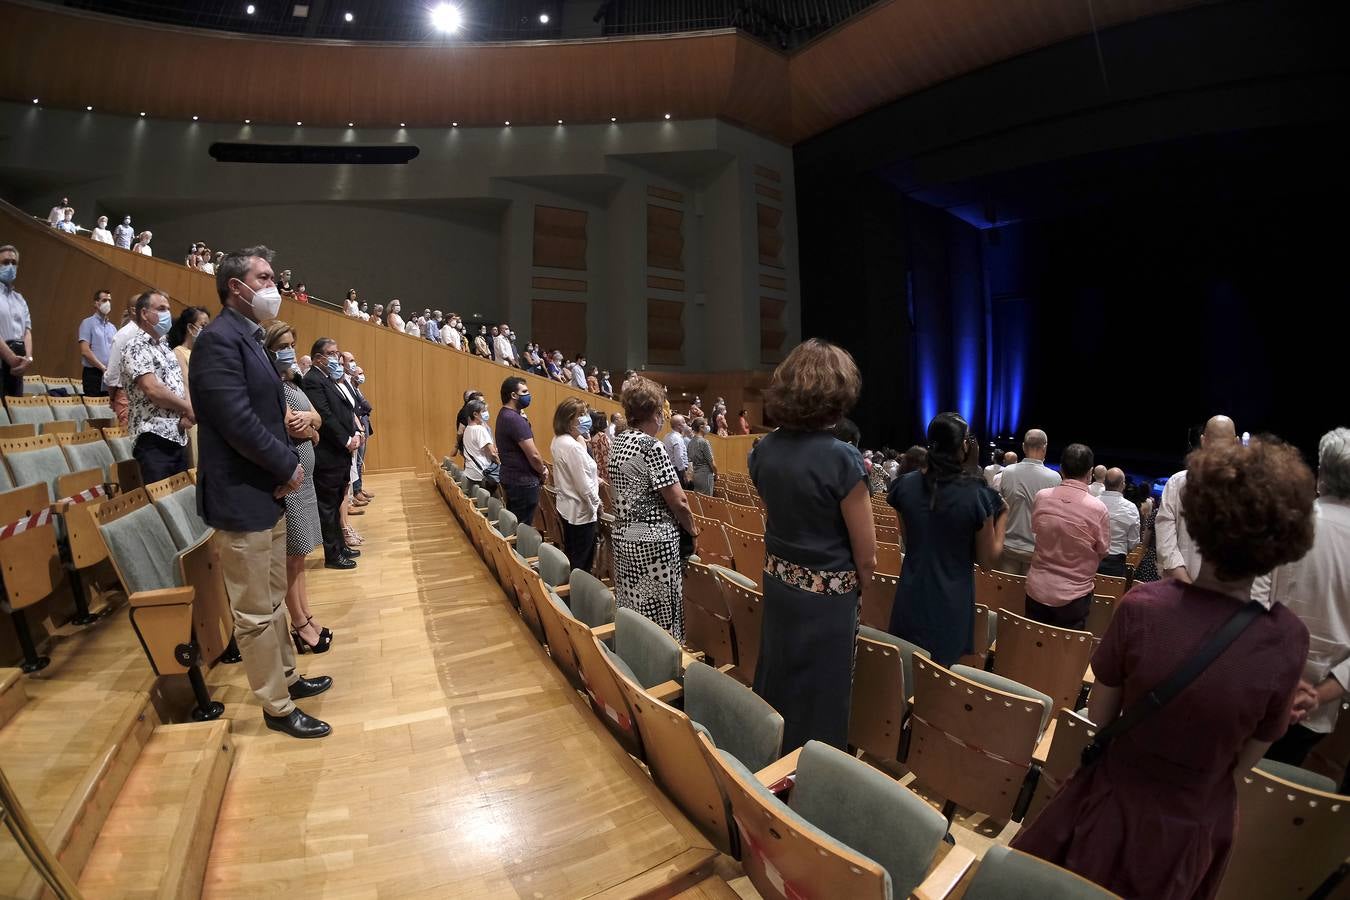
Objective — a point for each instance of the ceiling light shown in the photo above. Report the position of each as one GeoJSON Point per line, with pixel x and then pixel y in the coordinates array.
{"type": "Point", "coordinates": [454, 124]}
{"type": "Point", "coordinates": [560, 121]}
{"type": "Point", "coordinates": [613, 118]}
{"type": "Point", "coordinates": [347, 17]}
{"type": "Point", "coordinates": [667, 115]}
{"type": "Point", "coordinates": [446, 17]}
{"type": "Point", "coordinates": [142, 115]}
{"type": "Point", "coordinates": [194, 118]}
{"type": "Point", "coordinates": [299, 123]}
{"type": "Point", "coordinates": [543, 18]}
{"type": "Point", "coordinates": [88, 109]}
{"type": "Point", "coordinates": [35, 99]}
{"type": "Point", "coordinates": [351, 124]}
{"type": "Point", "coordinates": [508, 121]}
{"type": "Point", "coordinates": [250, 9]}
{"type": "Point", "coordinates": [246, 121]}
{"type": "Point", "coordinates": [402, 125]}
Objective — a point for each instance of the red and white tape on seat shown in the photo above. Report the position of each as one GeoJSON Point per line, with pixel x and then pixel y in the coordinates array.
{"type": "Point", "coordinates": [43, 516]}
{"type": "Point", "coordinates": [771, 872]}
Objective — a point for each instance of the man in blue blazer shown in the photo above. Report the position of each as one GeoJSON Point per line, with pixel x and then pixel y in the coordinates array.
{"type": "Point", "coordinates": [246, 464]}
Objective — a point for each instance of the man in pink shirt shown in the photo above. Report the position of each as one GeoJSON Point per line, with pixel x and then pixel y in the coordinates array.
{"type": "Point", "coordinates": [1073, 533]}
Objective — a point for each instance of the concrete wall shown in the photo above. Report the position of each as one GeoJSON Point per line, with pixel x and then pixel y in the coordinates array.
{"type": "Point", "coordinates": [451, 229]}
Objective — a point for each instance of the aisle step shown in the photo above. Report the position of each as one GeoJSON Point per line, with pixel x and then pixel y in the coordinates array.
{"type": "Point", "coordinates": [12, 695]}
{"type": "Point", "coordinates": [67, 754]}
{"type": "Point", "coordinates": [156, 838]}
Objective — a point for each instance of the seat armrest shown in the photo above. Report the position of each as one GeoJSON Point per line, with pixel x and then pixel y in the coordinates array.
{"type": "Point", "coordinates": [775, 772]}
{"type": "Point", "coordinates": [563, 590]}
{"type": "Point", "coordinates": [604, 632]}
{"type": "Point", "coordinates": [510, 540]}
{"type": "Point", "coordinates": [174, 596]}
{"type": "Point", "coordinates": [1042, 751]}
{"type": "Point", "coordinates": [532, 562]}
{"type": "Point", "coordinates": [946, 875]}
{"type": "Point", "coordinates": [666, 691]}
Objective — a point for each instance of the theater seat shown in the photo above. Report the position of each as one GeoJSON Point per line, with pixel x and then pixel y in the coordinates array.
{"type": "Point", "coordinates": [592, 603]}
{"type": "Point", "coordinates": [1007, 874]}
{"type": "Point", "coordinates": [175, 499]}
{"type": "Point", "coordinates": [883, 676]}
{"type": "Point", "coordinates": [644, 650]}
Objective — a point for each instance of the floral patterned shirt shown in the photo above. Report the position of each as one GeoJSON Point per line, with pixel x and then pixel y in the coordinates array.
{"type": "Point", "coordinates": [148, 354]}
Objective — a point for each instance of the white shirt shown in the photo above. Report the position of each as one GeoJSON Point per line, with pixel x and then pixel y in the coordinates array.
{"type": "Point", "coordinates": [1019, 484]}
{"type": "Point", "coordinates": [56, 215]}
{"type": "Point", "coordinates": [574, 475]}
{"type": "Point", "coordinates": [102, 235]}
{"type": "Point", "coordinates": [1096, 489]}
{"type": "Point", "coordinates": [502, 344]}
{"type": "Point", "coordinates": [1316, 588]}
{"type": "Point", "coordinates": [15, 318]}
{"type": "Point", "coordinates": [1124, 519]}
{"type": "Point", "coordinates": [677, 451]}
{"type": "Point", "coordinates": [143, 249]}
{"type": "Point", "coordinates": [476, 440]}
{"type": "Point", "coordinates": [112, 376]}
{"type": "Point", "coordinates": [991, 471]}
{"type": "Point", "coordinates": [578, 376]}
{"type": "Point", "coordinates": [1175, 546]}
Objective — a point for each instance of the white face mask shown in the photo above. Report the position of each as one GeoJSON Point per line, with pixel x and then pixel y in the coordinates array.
{"type": "Point", "coordinates": [266, 303]}
{"type": "Point", "coordinates": [105, 307]}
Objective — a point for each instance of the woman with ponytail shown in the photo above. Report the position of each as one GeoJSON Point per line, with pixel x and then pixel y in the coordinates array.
{"type": "Point", "coordinates": [951, 520]}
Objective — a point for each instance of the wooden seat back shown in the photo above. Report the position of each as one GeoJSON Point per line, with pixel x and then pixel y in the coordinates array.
{"type": "Point", "coordinates": [1000, 590]}
{"type": "Point", "coordinates": [971, 743]}
{"type": "Point", "coordinates": [58, 426]}
{"type": "Point", "coordinates": [746, 609]}
{"type": "Point", "coordinates": [99, 406]}
{"type": "Point", "coordinates": [13, 432]}
{"type": "Point", "coordinates": [748, 551]}
{"type": "Point", "coordinates": [711, 544]}
{"type": "Point", "coordinates": [1051, 660]}
{"type": "Point", "coordinates": [707, 623]}
{"type": "Point", "coordinates": [782, 859]}
{"type": "Point", "coordinates": [1307, 831]}
{"type": "Point", "coordinates": [1109, 586]}
{"type": "Point", "coordinates": [747, 518]}
{"type": "Point", "coordinates": [599, 681]}
{"type": "Point", "coordinates": [68, 408]}
{"type": "Point", "coordinates": [878, 596]}
{"type": "Point", "coordinates": [888, 534]}
{"type": "Point", "coordinates": [716, 508]}
{"type": "Point", "coordinates": [1072, 733]}
{"type": "Point", "coordinates": [985, 619]}
{"type": "Point", "coordinates": [550, 623]}
{"type": "Point", "coordinates": [879, 700]}
{"type": "Point", "coordinates": [1100, 614]}
{"type": "Point", "coordinates": [29, 409]}
{"type": "Point", "coordinates": [30, 560]}
{"type": "Point", "coordinates": [890, 559]}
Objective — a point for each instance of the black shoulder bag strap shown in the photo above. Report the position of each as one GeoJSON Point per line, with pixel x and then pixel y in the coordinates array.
{"type": "Point", "coordinates": [1187, 672]}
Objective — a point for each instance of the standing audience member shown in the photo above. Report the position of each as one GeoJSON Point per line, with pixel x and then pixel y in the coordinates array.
{"type": "Point", "coordinates": [950, 521]}
{"type": "Point", "coordinates": [67, 224]}
{"type": "Point", "coordinates": [676, 449]}
{"type": "Point", "coordinates": [600, 444]}
{"type": "Point", "coordinates": [606, 386]}
{"type": "Point", "coordinates": [16, 326]}
{"type": "Point", "coordinates": [248, 465]}
{"type": "Point", "coordinates": [124, 233]}
{"type": "Point", "coordinates": [553, 367]}
{"type": "Point", "coordinates": [915, 459]}
{"type": "Point", "coordinates": [142, 245]}
{"type": "Point", "coordinates": [303, 533]}
{"type": "Point", "coordinates": [1009, 459]}
{"type": "Point", "coordinates": [1147, 570]}
{"type": "Point", "coordinates": [480, 454]}
{"type": "Point", "coordinates": [393, 318]}
{"type": "Point", "coordinates": [579, 373]}
{"type": "Point", "coordinates": [451, 336]}
{"type": "Point", "coordinates": [338, 440]}
{"type": "Point", "coordinates": [112, 376]}
{"type": "Point", "coordinates": [352, 379]}
{"type": "Point", "coordinates": [523, 469]}
{"type": "Point", "coordinates": [742, 423]}
{"type": "Point", "coordinates": [593, 380]}
{"type": "Point", "coordinates": [377, 315]}
{"type": "Point", "coordinates": [1154, 816]}
{"type": "Point", "coordinates": [464, 417]}
{"type": "Point", "coordinates": [58, 212]}
{"type": "Point", "coordinates": [720, 418]}
{"type": "Point", "coordinates": [578, 485]}
{"type": "Point", "coordinates": [101, 232]}
{"type": "Point", "coordinates": [182, 338]}
{"type": "Point", "coordinates": [1073, 534]}
{"type": "Point", "coordinates": [160, 411]}
{"type": "Point", "coordinates": [702, 468]}
{"type": "Point", "coordinates": [695, 409]}
{"type": "Point", "coordinates": [501, 347]}
{"type": "Point", "coordinates": [96, 335]}
{"type": "Point", "coordinates": [1019, 485]}
{"type": "Point", "coordinates": [820, 544]}
{"type": "Point", "coordinates": [995, 466]}
{"type": "Point", "coordinates": [1317, 590]}
{"type": "Point", "coordinates": [1097, 487]}
{"type": "Point", "coordinates": [649, 510]}
{"type": "Point", "coordinates": [1178, 556]}
{"type": "Point", "coordinates": [480, 344]}
{"type": "Point", "coordinates": [1124, 518]}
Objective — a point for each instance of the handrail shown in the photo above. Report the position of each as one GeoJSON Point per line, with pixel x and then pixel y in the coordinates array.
{"type": "Point", "coordinates": [30, 841]}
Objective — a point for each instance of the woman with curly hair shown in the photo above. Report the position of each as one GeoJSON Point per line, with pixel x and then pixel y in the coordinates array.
{"type": "Point", "coordinates": [820, 544]}
{"type": "Point", "coordinates": [1154, 816]}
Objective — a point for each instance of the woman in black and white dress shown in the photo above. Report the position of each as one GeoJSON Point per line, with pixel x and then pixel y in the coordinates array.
{"type": "Point", "coordinates": [649, 509]}
{"type": "Point", "coordinates": [303, 533]}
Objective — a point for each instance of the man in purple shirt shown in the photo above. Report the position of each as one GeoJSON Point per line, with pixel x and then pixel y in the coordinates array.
{"type": "Point", "coordinates": [522, 468]}
{"type": "Point", "coordinates": [1073, 533]}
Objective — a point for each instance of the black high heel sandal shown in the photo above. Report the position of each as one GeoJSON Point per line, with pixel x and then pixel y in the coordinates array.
{"type": "Point", "coordinates": [324, 633]}
{"type": "Point", "coordinates": [302, 646]}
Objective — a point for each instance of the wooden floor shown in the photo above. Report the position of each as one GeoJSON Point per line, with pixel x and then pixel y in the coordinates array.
{"type": "Point", "coordinates": [460, 764]}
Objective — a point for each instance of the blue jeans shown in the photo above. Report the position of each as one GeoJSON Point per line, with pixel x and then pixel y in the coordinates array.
{"type": "Point", "coordinates": [522, 500]}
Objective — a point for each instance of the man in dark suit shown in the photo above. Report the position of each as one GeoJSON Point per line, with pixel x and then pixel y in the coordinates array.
{"type": "Point", "coordinates": [338, 440]}
{"type": "Point", "coordinates": [246, 464]}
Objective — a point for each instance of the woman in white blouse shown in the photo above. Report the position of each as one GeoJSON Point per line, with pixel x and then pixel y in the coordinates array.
{"type": "Point", "coordinates": [101, 232]}
{"type": "Point", "coordinates": [142, 245]}
{"type": "Point", "coordinates": [479, 452]}
{"type": "Point", "coordinates": [577, 482]}
{"type": "Point", "coordinates": [393, 319]}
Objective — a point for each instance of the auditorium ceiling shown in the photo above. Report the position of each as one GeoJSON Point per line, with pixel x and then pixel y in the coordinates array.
{"type": "Point", "coordinates": [889, 50]}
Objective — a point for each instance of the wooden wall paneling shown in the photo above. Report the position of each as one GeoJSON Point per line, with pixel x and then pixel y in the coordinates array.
{"type": "Point", "coordinates": [661, 193]}
{"type": "Point", "coordinates": [559, 325]}
{"type": "Point", "coordinates": [768, 174]}
{"type": "Point", "coordinates": [770, 220]}
{"type": "Point", "coordinates": [665, 238]}
{"type": "Point", "coordinates": [732, 453]}
{"type": "Point", "coordinates": [772, 282]}
{"type": "Point", "coordinates": [59, 276]}
{"type": "Point", "coordinates": [544, 283]}
{"type": "Point", "coordinates": [559, 238]}
{"type": "Point", "coordinates": [771, 193]}
{"type": "Point", "coordinates": [772, 331]}
{"type": "Point", "coordinates": [658, 283]}
{"type": "Point", "coordinates": [665, 332]}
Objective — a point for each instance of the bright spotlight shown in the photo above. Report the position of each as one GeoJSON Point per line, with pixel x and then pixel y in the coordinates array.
{"type": "Point", "coordinates": [347, 17]}
{"type": "Point", "coordinates": [89, 109]}
{"type": "Point", "coordinates": [446, 17]}
{"type": "Point", "coordinates": [667, 115]}
{"type": "Point", "coordinates": [250, 9]}
{"type": "Point", "coordinates": [142, 115]}
{"type": "Point", "coordinates": [194, 118]}
{"type": "Point", "coordinates": [543, 18]}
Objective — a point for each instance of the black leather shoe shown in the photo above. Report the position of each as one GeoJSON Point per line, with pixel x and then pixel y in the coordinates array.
{"type": "Point", "coordinates": [297, 725]}
{"type": "Point", "coordinates": [350, 552]}
{"type": "Point", "coordinates": [309, 687]}
{"type": "Point", "coordinates": [342, 562]}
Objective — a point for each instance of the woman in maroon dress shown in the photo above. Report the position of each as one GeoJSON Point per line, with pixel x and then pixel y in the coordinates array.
{"type": "Point", "coordinates": [1154, 817]}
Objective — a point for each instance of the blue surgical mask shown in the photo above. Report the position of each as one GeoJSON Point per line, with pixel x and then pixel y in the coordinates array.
{"type": "Point", "coordinates": [360, 379]}
{"type": "Point", "coordinates": [523, 402]}
{"type": "Point", "coordinates": [584, 426]}
{"type": "Point", "coordinates": [9, 272]}
{"type": "Point", "coordinates": [165, 322]}
{"type": "Point", "coordinates": [285, 357]}
{"type": "Point", "coordinates": [335, 369]}
{"type": "Point", "coordinates": [351, 367]}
